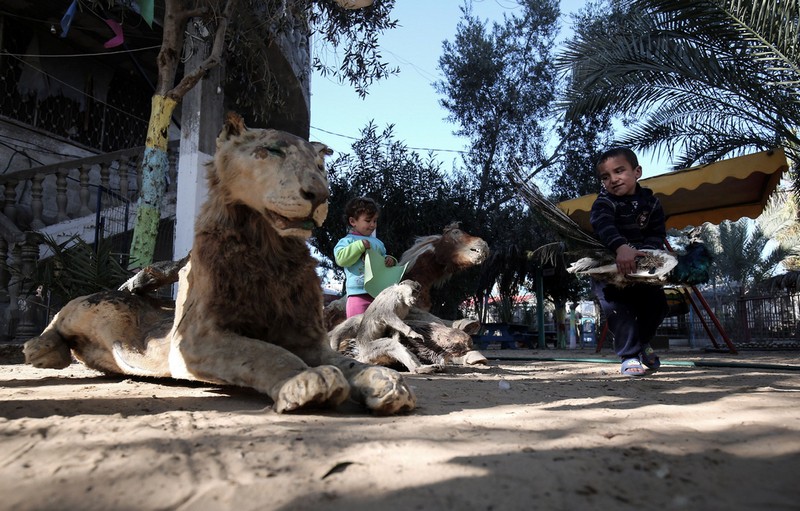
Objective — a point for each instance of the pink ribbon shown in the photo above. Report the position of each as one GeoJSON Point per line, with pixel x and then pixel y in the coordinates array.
{"type": "Point", "coordinates": [118, 38]}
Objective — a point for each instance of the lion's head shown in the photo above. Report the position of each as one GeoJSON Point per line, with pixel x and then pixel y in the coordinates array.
{"type": "Point", "coordinates": [273, 172]}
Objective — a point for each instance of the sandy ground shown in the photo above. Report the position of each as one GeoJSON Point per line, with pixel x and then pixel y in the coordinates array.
{"type": "Point", "coordinates": [522, 433]}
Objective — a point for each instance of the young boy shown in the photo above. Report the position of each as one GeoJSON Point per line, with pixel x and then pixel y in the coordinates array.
{"type": "Point", "coordinates": [361, 214]}
{"type": "Point", "coordinates": [628, 218]}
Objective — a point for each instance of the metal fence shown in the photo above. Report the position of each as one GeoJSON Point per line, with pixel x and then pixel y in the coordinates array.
{"type": "Point", "coordinates": [113, 220]}
{"type": "Point", "coordinates": [771, 321]}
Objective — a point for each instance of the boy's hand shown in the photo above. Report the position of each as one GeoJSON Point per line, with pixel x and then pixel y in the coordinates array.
{"type": "Point", "coordinates": [389, 261]}
{"type": "Point", "coordinates": [366, 244]}
{"type": "Point", "coordinates": [626, 259]}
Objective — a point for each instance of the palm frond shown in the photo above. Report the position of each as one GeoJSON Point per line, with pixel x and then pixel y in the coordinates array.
{"type": "Point", "coordinates": [566, 228]}
{"type": "Point", "coordinates": [636, 72]}
{"type": "Point", "coordinates": [768, 31]}
{"type": "Point", "coordinates": [697, 80]}
{"type": "Point", "coordinates": [77, 268]}
{"type": "Point", "coordinates": [703, 135]}
{"type": "Point", "coordinates": [779, 215]}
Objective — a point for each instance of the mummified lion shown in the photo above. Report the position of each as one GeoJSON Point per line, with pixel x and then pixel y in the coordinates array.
{"type": "Point", "coordinates": [249, 305]}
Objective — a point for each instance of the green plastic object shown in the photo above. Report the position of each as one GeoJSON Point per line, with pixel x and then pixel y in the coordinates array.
{"type": "Point", "coordinates": [377, 276]}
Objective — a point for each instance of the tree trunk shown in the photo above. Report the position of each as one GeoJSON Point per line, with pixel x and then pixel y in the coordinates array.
{"type": "Point", "coordinates": [155, 165]}
{"type": "Point", "coordinates": [154, 162]}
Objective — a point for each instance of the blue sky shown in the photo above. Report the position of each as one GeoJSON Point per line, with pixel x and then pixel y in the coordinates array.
{"type": "Point", "coordinates": [408, 100]}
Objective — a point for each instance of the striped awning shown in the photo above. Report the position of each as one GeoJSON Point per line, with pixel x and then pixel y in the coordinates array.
{"type": "Point", "coordinates": [726, 190]}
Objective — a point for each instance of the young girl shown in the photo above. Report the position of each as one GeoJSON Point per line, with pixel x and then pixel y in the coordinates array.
{"type": "Point", "coordinates": [361, 215]}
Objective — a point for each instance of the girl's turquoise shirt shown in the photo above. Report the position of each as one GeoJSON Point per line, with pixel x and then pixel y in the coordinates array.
{"type": "Point", "coordinates": [349, 254]}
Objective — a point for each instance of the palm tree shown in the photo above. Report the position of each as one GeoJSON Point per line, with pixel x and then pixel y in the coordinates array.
{"type": "Point", "coordinates": [779, 222]}
{"type": "Point", "coordinates": [743, 257]}
{"type": "Point", "coordinates": [742, 254]}
{"type": "Point", "coordinates": [697, 80]}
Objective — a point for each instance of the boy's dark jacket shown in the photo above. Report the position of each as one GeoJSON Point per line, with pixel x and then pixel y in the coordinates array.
{"type": "Point", "coordinates": [636, 219]}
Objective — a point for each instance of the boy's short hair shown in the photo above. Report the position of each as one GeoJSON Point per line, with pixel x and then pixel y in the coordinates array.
{"type": "Point", "coordinates": [625, 152]}
{"type": "Point", "coordinates": [358, 206]}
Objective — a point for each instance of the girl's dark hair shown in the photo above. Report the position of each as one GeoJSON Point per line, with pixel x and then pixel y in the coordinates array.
{"type": "Point", "coordinates": [358, 206]}
{"type": "Point", "coordinates": [625, 152]}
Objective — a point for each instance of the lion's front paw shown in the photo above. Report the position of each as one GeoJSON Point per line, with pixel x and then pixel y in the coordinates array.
{"type": "Point", "coordinates": [383, 391]}
{"type": "Point", "coordinates": [48, 352]}
{"type": "Point", "coordinates": [316, 386]}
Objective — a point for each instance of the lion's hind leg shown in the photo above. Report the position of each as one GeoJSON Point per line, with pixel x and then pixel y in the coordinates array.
{"type": "Point", "coordinates": [48, 350]}
{"type": "Point", "coordinates": [109, 331]}
{"type": "Point", "coordinates": [52, 349]}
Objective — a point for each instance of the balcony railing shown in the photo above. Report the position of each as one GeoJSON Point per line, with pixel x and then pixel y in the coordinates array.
{"type": "Point", "coordinates": [63, 200]}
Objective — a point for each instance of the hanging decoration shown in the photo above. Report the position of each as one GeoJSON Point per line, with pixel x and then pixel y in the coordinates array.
{"type": "Point", "coordinates": [118, 38]}
{"type": "Point", "coordinates": [146, 11]}
{"type": "Point", "coordinates": [66, 21]}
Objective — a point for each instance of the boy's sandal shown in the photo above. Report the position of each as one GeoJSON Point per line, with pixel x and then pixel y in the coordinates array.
{"type": "Point", "coordinates": [632, 367]}
{"type": "Point", "coordinates": [650, 359]}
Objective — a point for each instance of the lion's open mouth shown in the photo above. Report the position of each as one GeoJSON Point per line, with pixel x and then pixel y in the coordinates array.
{"type": "Point", "coordinates": [284, 223]}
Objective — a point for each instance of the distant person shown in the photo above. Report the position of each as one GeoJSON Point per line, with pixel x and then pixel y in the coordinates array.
{"type": "Point", "coordinates": [361, 216]}
{"type": "Point", "coordinates": [628, 218]}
